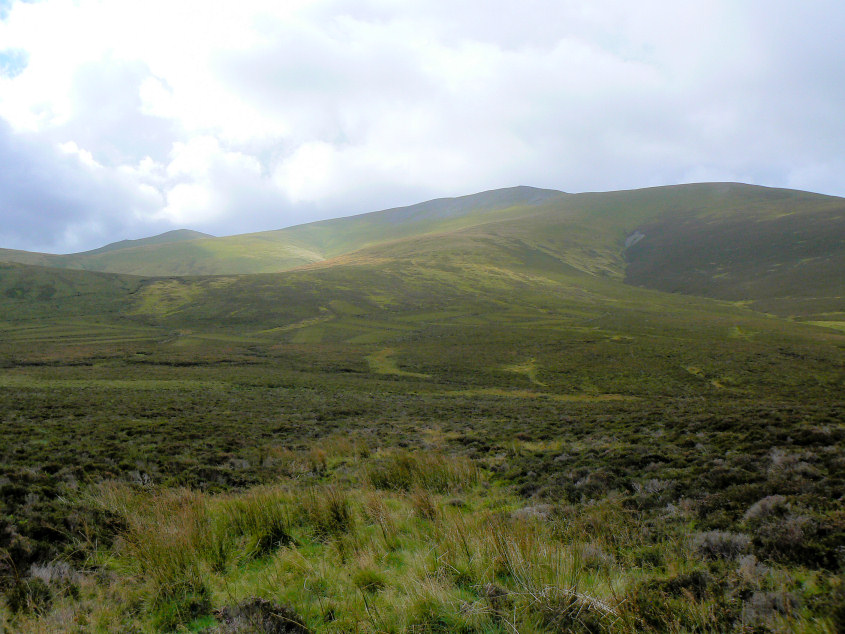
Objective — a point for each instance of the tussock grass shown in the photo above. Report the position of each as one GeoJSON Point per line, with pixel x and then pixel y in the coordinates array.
{"type": "Point", "coordinates": [328, 511]}
{"type": "Point", "coordinates": [400, 470]}
{"type": "Point", "coordinates": [407, 543]}
{"type": "Point", "coordinates": [399, 557]}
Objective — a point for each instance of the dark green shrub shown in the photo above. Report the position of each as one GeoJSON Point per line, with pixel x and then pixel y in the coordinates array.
{"type": "Point", "coordinates": [28, 595]}
{"type": "Point", "coordinates": [180, 605]}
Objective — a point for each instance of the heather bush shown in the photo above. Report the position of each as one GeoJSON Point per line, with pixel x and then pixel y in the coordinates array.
{"type": "Point", "coordinates": [720, 544]}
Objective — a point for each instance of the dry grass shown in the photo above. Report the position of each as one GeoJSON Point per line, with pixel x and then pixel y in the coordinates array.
{"type": "Point", "coordinates": [404, 557]}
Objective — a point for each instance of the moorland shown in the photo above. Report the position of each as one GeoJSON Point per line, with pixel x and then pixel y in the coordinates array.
{"type": "Point", "coordinates": [517, 411]}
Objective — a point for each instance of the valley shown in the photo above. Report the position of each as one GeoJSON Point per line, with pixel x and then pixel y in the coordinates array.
{"type": "Point", "coordinates": [482, 414]}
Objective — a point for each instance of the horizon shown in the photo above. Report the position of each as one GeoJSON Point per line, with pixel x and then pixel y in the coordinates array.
{"type": "Point", "coordinates": [374, 211]}
{"type": "Point", "coordinates": [134, 118]}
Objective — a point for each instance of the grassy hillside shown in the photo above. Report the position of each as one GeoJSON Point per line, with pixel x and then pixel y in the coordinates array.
{"type": "Point", "coordinates": [274, 251]}
{"type": "Point", "coordinates": [470, 423]}
{"type": "Point", "coordinates": [31, 292]}
{"type": "Point", "coordinates": [94, 260]}
{"type": "Point", "coordinates": [178, 235]}
{"type": "Point", "coordinates": [779, 251]}
{"type": "Point", "coordinates": [474, 437]}
{"type": "Point", "coordinates": [433, 303]}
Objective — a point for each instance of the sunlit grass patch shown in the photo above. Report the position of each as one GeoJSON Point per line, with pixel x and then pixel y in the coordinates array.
{"type": "Point", "coordinates": [530, 394]}
{"type": "Point", "coordinates": [835, 325]}
{"type": "Point", "coordinates": [528, 368]}
{"type": "Point", "coordinates": [381, 362]}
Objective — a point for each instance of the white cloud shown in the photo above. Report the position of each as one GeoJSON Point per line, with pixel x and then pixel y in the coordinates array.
{"type": "Point", "coordinates": [253, 115]}
{"type": "Point", "coordinates": [308, 172]}
{"type": "Point", "coordinates": [187, 202]}
{"type": "Point", "coordinates": [207, 182]}
{"type": "Point", "coordinates": [84, 156]}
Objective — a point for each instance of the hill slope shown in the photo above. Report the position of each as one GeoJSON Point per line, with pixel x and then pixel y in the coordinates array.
{"type": "Point", "coordinates": [777, 250]}
{"type": "Point", "coordinates": [782, 251]}
{"type": "Point", "coordinates": [111, 256]}
{"type": "Point", "coordinates": [178, 235]}
{"type": "Point", "coordinates": [285, 249]}
{"type": "Point", "coordinates": [416, 402]}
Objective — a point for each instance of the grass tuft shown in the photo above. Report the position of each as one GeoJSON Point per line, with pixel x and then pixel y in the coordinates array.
{"type": "Point", "coordinates": [401, 470]}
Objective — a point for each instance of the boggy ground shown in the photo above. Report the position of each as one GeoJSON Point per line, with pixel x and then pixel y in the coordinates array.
{"type": "Point", "coordinates": [150, 488]}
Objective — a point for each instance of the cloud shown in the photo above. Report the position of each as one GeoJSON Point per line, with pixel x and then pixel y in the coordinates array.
{"type": "Point", "coordinates": [209, 183]}
{"type": "Point", "coordinates": [51, 194]}
{"type": "Point", "coordinates": [230, 117]}
{"type": "Point", "coordinates": [13, 61]}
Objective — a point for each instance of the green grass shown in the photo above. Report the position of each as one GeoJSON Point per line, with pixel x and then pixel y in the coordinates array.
{"type": "Point", "coordinates": [353, 441]}
{"type": "Point", "coordinates": [406, 542]}
{"type": "Point", "coordinates": [836, 325]}
{"type": "Point", "coordinates": [528, 368]}
{"type": "Point", "coordinates": [779, 251]}
{"type": "Point", "coordinates": [629, 483]}
{"type": "Point", "coordinates": [382, 362]}
{"type": "Point", "coordinates": [9, 380]}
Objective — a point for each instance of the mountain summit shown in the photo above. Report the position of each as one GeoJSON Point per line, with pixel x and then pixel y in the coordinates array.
{"type": "Point", "coordinates": [781, 251]}
{"type": "Point", "coordinates": [177, 235]}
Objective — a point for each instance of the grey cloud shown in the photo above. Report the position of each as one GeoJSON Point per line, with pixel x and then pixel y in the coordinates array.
{"type": "Point", "coordinates": [50, 201]}
{"type": "Point", "coordinates": [314, 79]}
{"type": "Point", "coordinates": [107, 117]}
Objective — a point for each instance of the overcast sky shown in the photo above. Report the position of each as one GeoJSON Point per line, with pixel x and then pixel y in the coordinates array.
{"type": "Point", "coordinates": [122, 119]}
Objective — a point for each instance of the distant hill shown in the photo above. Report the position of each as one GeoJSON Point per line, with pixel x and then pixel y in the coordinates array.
{"type": "Point", "coordinates": [108, 258]}
{"type": "Point", "coordinates": [775, 250]}
{"type": "Point", "coordinates": [178, 235]}
{"type": "Point", "coordinates": [285, 249]}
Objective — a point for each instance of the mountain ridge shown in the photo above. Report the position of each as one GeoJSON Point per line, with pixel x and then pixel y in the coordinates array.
{"type": "Point", "coordinates": [427, 211]}
{"type": "Point", "coordinates": [778, 250]}
{"type": "Point", "coordinates": [175, 235]}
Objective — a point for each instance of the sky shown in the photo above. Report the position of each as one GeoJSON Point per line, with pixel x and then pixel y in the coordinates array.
{"type": "Point", "coordinates": [123, 119]}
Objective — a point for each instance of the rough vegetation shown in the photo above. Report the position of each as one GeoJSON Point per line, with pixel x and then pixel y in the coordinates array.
{"type": "Point", "coordinates": [472, 434]}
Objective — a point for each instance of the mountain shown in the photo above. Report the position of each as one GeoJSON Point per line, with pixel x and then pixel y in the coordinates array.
{"type": "Point", "coordinates": [538, 305]}
{"type": "Point", "coordinates": [178, 235]}
{"type": "Point", "coordinates": [285, 249]}
{"type": "Point", "coordinates": [775, 250]}
{"type": "Point", "coordinates": [781, 251]}
{"type": "Point", "coordinates": [106, 257]}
